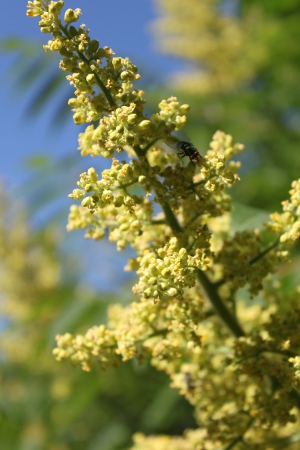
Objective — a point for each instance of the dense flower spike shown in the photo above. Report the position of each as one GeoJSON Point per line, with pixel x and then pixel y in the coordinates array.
{"type": "Point", "coordinates": [242, 381]}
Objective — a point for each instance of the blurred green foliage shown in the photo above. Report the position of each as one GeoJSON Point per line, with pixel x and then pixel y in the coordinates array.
{"type": "Point", "coordinates": [46, 405]}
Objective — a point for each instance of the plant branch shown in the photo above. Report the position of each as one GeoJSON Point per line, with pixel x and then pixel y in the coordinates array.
{"type": "Point", "coordinates": [209, 289]}
{"type": "Point", "coordinates": [105, 91]}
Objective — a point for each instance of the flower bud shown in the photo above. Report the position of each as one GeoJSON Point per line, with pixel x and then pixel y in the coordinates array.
{"type": "Point", "coordinates": [124, 227]}
{"type": "Point", "coordinates": [142, 179]}
{"type": "Point", "coordinates": [131, 118]}
{"type": "Point", "coordinates": [124, 75]}
{"type": "Point", "coordinates": [114, 136]}
{"type": "Point", "coordinates": [184, 109]}
{"type": "Point", "coordinates": [117, 63]}
{"type": "Point", "coordinates": [166, 272]}
{"type": "Point", "coordinates": [92, 174]}
{"type": "Point", "coordinates": [71, 16]}
{"type": "Point", "coordinates": [161, 252]}
{"type": "Point", "coordinates": [147, 293]}
{"type": "Point", "coordinates": [135, 225]}
{"type": "Point", "coordinates": [87, 202]}
{"type": "Point", "coordinates": [153, 270]}
{"type": "Point", "coordinates": [46, 30]}
{"type": "Point", "coordinates": [90, 78]}
{"type": "Point", "coordinates": [163, 286]}
{"type": "Point", "coordinates": [73, 102]}
{"type": "Point", "coordinates": [183, 253]}
{"type": "Point", "coordinates": [77, 194]}
{"type": "Point", "coordinates": [73, 31]}
{"type": "Point", "coordinates": [79, 118]}
{"type": "Point", "coordinates": [144, 125]}
{"type": "Point", "coordinates": [129, 138]}
{"type": "Point", "coordinates": [55, 7]}
{"type": "Point", "coordinates": [133, 264]}
{"type": "Point", "coordinates": [172, 292]}
{"type": "Point", "coordinates": [152, 281]}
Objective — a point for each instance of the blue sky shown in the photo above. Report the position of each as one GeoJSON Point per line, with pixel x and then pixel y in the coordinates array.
{"type": "Point", "coordinates": [124, 26]}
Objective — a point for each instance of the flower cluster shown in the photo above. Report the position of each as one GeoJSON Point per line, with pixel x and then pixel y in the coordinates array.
{"type": "Point", "coordinates": [241, 262]}
{"type": "Point", "coordinates": [139, 330]}
{"type": "Point", "coordinates": [173, 217]}
{"type": "Point", "coordinates": [167, 271]}
{"type": "Point", "coordinates": [108, 203]}
{"type": "Point", "coordinates": [127, 127]}
{"type": "Point", "coordinates": [98, 342]}
{"type": "Point", "coordinates": [111, 202]}
{"type": "Point", "coordinates": [287, 224]}
{"type": "Point", "coordinates": [272, 352]}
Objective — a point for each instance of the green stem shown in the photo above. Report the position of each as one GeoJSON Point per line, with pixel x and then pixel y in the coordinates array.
{"type": "Point", "coordinates": [213, 297]}
{"type": "Point", "coordinates": [264, 252]}
{"type": "Point", "coordinates": [126, 185]}
{"type": "Point", "coordinates": [240, 437]}
{"type": "Point", "coordinates": [150, 145]}
{"type": "Point", "coordinates": [170, 216]}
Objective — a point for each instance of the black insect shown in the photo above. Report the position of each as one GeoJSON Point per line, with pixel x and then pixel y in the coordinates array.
{"type": "Point", "coordinates": [185, 148]}
{"type": "Point", "coordinates": [189, 381]}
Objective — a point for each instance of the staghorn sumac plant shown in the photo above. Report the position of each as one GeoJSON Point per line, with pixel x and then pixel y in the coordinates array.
{"type": "Point", "coordinates": [235, 361]}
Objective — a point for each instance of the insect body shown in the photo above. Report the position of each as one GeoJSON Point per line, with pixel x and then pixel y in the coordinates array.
{"type": "Point", "coordinates": [187, 149]}
{"type": "Point", "coordinates": [184, 147]}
